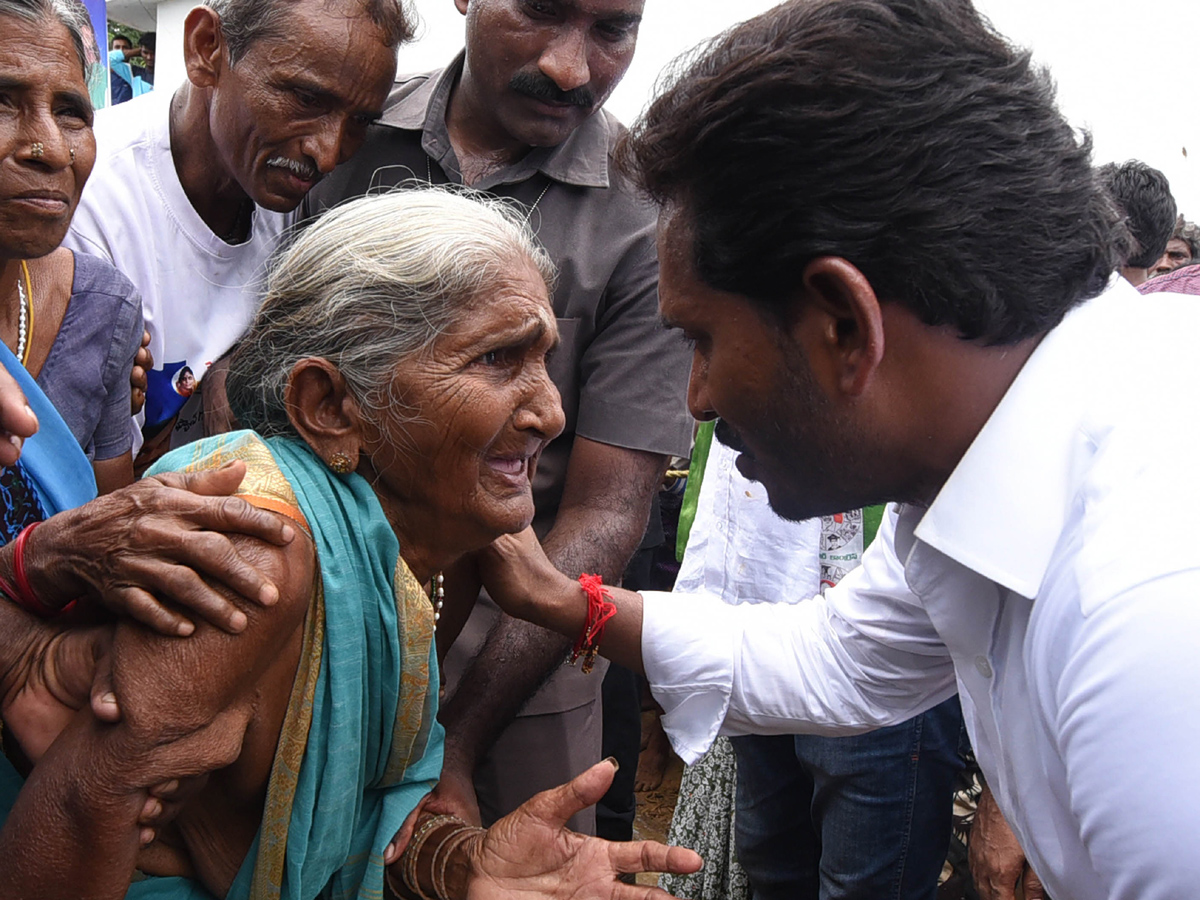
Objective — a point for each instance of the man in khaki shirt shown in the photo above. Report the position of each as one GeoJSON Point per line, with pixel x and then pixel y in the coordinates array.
{"type": "Point", "coordinates": [518, 115]}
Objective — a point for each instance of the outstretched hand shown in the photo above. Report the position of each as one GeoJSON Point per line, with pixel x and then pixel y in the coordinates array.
{"type": "Point", "coordinates": [150, 548]}
{"type": "Point", "coordinates": [521, 580]}
{"type": "Point", "coordinates": [530, 853]}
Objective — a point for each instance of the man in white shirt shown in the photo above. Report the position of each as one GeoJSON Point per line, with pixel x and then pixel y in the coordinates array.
{"type": "Point", "coordinates": [892, 254]}
{"type": "Point", "coordinates": [192, 190]}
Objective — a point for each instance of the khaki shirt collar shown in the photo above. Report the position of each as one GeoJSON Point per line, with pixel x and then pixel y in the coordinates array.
{"type": "Point", "coordinates": [582, 159]}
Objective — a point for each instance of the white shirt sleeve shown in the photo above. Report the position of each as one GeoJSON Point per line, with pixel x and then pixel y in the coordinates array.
{"type": "Point", "coordinates": [1126, 675]}
{"type": "Point", "coordinates": [863, 656]}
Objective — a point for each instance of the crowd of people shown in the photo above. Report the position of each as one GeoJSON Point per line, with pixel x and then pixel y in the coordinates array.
{"type": "Point", "coordinates": [337, 403]}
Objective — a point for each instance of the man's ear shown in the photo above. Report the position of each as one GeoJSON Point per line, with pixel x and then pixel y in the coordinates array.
{"type": "Point", "coordinates": [203, 47]}
{"type": "Point", "coordinates": [461, 6]}
{"type": "Point", "coordinates": [322, 410]}
{"type": "Point", "coordinates": [841, 325]}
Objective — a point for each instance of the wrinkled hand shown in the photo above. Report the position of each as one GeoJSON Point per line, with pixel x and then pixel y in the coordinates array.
{"type": "Point", "coordinates": [454, 795]}
{"type": "Point", "coordinates": [520, 578]}
{"type": "Point", "coordinates": [531, 854]}
{"type": "Point", "coordinates": [996, 860]}
{"type": "Point", "coordinates": [17, 421]}
{"type": "Point", "coordinates": [143, 362]}
{"type": "Point", "coordinates": [52, 682]}
{"type": "Point", "coordinates": [156, 542]}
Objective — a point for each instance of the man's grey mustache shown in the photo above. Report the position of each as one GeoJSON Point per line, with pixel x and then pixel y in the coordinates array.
{"type": "Point", "coordinates": [540, 87]}
{"type": "Point", "coordinates": [302, 170]}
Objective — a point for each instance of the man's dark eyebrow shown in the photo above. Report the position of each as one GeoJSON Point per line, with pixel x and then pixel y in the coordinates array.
{"type": "Point", "coordinates": [625, 20]}
{"type": "Point", "coordinates": [326, 96]}
{"type": "Point", "coordinates": [7, 81]}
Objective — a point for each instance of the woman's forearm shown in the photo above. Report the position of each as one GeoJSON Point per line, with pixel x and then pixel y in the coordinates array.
{"type": "Point", "coordinates": [73, 830]}
{"type": "Point", "coordinates": [19, 632]}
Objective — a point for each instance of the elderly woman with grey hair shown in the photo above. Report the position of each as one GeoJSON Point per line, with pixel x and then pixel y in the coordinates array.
{"type": "Point", "coordinates": [395, 381]}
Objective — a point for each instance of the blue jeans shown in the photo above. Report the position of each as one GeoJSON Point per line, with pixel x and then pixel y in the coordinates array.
{"type": "Point", "coordinates": [865, 817]}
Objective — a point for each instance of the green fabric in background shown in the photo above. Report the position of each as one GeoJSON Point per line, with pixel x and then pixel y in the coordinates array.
{"type": "Point", "coordinates": [872, 517]}
{"type": "Point", "coordinates": [691, 491]}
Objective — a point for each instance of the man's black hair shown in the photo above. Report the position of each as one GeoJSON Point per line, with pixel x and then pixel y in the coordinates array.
{"type": "Point", "coordinates": [1143, 194]}
{"type": "Point", "coordinates": [905, 136]}
{"type": "Point", "coordinates": [148, 39]}
{"type": "Point", "coordinates": [127, 39]}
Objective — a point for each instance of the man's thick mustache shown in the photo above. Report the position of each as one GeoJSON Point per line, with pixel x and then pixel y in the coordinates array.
{"type": "Point", "coordinates": [539, 87]}
{"type": "Point", "coordinates": [726, 435]}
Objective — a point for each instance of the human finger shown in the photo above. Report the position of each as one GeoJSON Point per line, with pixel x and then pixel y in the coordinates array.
{"type": "Point", "coordinates": [103, 699]}
{"type": "Point", "coordinates": [227, 514]}
{"type": "Point", "coordinates": [185, 557]}
{"type": "Point", "coordinates": [651, 856]}
{"type": "Point", "coordinates": [172, 561]}
{"type": "Point", "coordinates": [396, 847]}
{"type": "Point", "coordinates": [150, 812]}
{"type": "Point", "coordinates": [143, 607]}
{"type": "Point", "coordinates": [166, 790]}
{"type": "Point", "coordinates": [557, 805]}
{"type": "Point", "coordinates": [1033, 885]}
{"type": "Point", "coordinates": [17, 421]}
{"type": "Point", "coordinates": [639, 892]}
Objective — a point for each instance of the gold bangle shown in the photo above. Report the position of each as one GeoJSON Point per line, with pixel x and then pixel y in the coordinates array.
{"type": "Point", "coordinates": [412, 852]}
{"type": "Point", "coordinates": [449, 844]}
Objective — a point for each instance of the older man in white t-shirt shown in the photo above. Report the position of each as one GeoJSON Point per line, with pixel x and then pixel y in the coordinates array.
{"type": "Point", "coordinates": [192, 190]}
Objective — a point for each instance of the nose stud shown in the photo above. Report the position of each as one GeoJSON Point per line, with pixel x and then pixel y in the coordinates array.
{"type": "Point", "coordinates": [72, 155]}
{"type": "Point", "coordinates": [37, 150]}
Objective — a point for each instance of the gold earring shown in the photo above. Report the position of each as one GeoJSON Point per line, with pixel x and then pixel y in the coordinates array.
{"type": "Point", "coordinates": [341, 463]}
{"type": "Point", "coordinates": [37, 150]}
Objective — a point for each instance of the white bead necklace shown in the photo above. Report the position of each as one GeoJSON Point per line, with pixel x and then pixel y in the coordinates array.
{"type": "Point", "coordinates": [22, 322]}
{"type": "Point", "coordinates": [438, 598]}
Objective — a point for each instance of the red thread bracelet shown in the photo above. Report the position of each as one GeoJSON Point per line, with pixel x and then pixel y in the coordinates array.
{"type": "Point", "coordinates": [600, 610]}
{"type": "Point", "coordinates": [25, 595]}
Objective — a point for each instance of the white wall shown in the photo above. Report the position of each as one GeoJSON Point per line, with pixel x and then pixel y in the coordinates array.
{"type": "Point", "coordinates": [168, 59]}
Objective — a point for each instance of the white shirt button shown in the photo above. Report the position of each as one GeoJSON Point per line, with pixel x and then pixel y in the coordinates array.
{"type": "Point", "coordinates": [983, 666]}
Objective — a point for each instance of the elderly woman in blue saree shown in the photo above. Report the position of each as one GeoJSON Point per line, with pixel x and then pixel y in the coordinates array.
{"type": "Point", "coordinates": [71, 325]}
{"type": "Point", "coordinates": [395, 381]}
{"type": "Point", "coordinates": [70, 331]}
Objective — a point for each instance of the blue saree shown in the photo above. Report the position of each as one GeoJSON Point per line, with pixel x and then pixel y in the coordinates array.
{"type": "Point", "coordinates": [53, 474]}
{"type": "Point", "coordinates": [360, 744]}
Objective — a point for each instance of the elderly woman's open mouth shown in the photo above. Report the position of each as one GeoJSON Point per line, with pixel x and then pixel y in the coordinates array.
{"type": "Point", "coordinates": [515, 468]}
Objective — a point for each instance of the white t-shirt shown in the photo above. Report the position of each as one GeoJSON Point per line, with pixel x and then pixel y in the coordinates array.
{"type": "Point", "coordinates": [1053, 581]}
{"type": "Point", "coordinates": [199, 293]}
